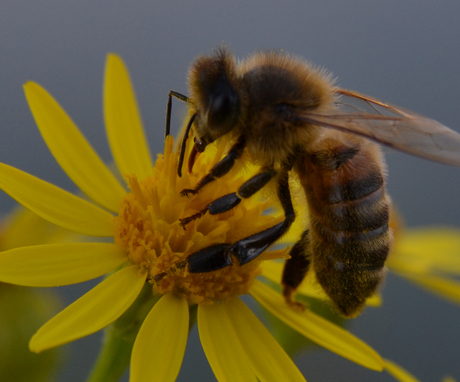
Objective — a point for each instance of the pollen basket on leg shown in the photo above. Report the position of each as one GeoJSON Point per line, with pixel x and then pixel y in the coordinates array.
{"type": "Point", "coordinates": [149, 229]}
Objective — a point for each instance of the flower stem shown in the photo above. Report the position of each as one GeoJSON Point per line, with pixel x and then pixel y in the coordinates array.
{"type": "Point", "coordinates": [119, 338]}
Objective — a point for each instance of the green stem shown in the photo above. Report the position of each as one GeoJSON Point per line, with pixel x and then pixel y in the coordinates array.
{"type": "Point", "coordinates": [113, 359]}
{"type": "Point", "coordinates": [119, 338]}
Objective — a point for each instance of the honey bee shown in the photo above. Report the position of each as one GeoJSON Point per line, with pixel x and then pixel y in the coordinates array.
{"type": "Point", "coordinates": [291, 117]}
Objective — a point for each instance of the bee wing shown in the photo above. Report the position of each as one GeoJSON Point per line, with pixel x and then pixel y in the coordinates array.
{"type": "Point", "coordinates": [391, 126]}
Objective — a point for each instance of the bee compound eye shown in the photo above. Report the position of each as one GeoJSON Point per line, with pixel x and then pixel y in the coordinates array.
{"type": "Point", "coordinates": [223, 112]}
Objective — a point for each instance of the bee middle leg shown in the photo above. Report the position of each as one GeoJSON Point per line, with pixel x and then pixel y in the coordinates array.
{"type": "Point", "coordinates": [229, 201]}
{"type": "Point", "coordinates": [219, 255]}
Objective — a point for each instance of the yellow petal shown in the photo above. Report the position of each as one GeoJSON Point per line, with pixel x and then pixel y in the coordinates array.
{"type": "Point", "coordinates": [273, 270]}
{"type": "Point", "coordinates": [123, 122]}
{"type": "Point", "coordinates": [317, 329]}
{"type": "Point", "coordinates": [220, 343]}
{"type": "Point", "coordinates": [160, 344]}
{"type": "Point", "coordinates": [444, 287]}
{"type": "Point", "coordinates": [59, 264]}
{"type": "Point", "coordinates": [402, 262]}
{"type": "Point", "coordinates": [398, 372]}
{"type": "Point", "coordinates": [54, 204]}
{"type": "Point", "coordinates": [268, 358]}
{"type": "Point", "coordinates": [407, 262]}
{"type": "Point", "coordinates": [95, 310]}
{"type": "Point", "coordinates": [72, 151]}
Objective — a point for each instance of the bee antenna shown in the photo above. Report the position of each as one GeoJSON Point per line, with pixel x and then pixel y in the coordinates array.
{"type": "Point", "coordinates": [184, 144]}
{"type": "Point", "coordinates": [179, 96]}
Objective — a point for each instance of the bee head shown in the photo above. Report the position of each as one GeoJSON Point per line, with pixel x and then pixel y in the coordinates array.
{"type": "Point", "coordinates": [213, 91]}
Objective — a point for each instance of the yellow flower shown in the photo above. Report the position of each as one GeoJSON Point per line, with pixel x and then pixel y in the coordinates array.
{"type": "Point", "coordinates": [150, 248]}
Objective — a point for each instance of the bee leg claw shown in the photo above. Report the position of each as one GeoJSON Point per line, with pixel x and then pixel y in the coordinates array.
{"type": "Point", "coordinates": [288, 294]}
{"type": "Point", "coordinates": [188, 191]}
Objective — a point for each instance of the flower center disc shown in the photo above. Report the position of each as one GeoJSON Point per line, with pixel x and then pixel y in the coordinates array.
{"type": "Point", "coordinates": [148, 228]}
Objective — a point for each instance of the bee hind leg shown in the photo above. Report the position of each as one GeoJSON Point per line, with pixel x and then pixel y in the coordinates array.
{"type": "Point", "coordinates": [295, 270]}
{"type": "Point", "coordinates": [218, 256]}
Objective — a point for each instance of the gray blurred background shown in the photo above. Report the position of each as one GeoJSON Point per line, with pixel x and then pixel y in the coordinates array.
{"type": "Point", "coordinates": [406, 52]}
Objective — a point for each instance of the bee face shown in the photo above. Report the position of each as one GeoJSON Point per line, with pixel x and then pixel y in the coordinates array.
{"type": "Point", "coordinates": [216, 101]}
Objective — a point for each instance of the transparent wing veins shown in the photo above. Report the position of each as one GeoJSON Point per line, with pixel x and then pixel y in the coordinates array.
{"type": "Point", "coordinates": [391, 126]}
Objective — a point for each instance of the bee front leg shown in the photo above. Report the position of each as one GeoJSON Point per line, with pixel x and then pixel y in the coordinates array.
{"type": "Point", "coordinates": [221, 168]}
{"type": "Point", "coordinates": [295, 269]}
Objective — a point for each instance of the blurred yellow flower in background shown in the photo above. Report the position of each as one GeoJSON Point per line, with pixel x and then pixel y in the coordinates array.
{"type": "Point", "coordinates": [23, 310]}
{"type": "Point", "coordinates": [430, 258]}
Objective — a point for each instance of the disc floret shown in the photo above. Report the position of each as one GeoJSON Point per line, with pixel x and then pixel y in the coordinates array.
{"type": "Point", "coordinates": [149, 229]}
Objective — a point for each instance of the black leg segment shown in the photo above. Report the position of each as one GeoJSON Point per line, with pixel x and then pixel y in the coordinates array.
{"type": "Point", "coordinates": [227, 202]}
{"type": "Point", "coordinates": [252, 246]}
{"type": "Point", "coordinates": [210, 258]}
{"type": "Point", "coordinates": [221, 168]}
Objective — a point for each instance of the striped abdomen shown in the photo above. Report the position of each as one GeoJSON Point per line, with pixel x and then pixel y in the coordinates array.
{"type": "Point", "coordinates": [344, 181]}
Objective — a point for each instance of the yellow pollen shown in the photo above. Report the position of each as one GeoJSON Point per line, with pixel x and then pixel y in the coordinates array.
{"type": "Point", "coordinates": [148, 228]}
